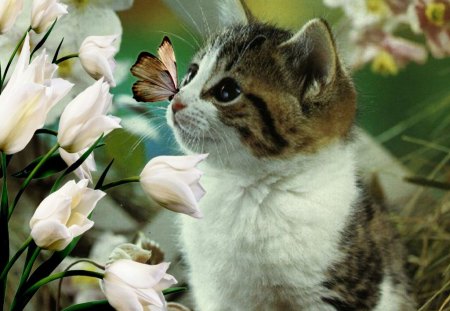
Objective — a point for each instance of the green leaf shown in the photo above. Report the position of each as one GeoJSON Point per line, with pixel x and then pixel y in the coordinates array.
{"type": "Point", "coordinates": [77, 163]}
{"type": "Point", "coordinates": [46, 131]}
{"type": "Point", "coordinates": [99, 305]}
{"type": "Point", "coordinates": [55, 57]}
{"type": "Point", "coordinates": [4, 232]}
{"type": "Point", "coordinates": [8, 159]}
{"type": "Point", "coordinates": [53, 165]}
{"type": "Point", "coordinates": [47, 267]}
{"type": "Point", "coordinates": [42, 42]}
{"type": "Point", "coordinates": [27, 294]}
{"type": "Point", "coordinates": [174, 290]}
{"type": "Point", "coordinates": [102, 178]}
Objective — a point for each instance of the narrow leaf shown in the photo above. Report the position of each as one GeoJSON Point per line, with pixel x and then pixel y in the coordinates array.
{"type": "Point", "coordinates": [42, 42]}
{"type": "Point", "coordinates": [99, 305]}
{"type": "Point", "coordinates": [55, 57]}
{"type": "Point", "coordinates": [8, 159]}
{"type": "Point", "coordinates": [53, 165]}
{"type": "Point", "coordinates": [46, 131]}
{"type": "Point", "coordinates": [102, 178]}
{"type": "Point", "coordinates": [174, 290]}
{"type": "Point", "coordinates": [4, 232]}
{"type": "Point", "coordinates": [425, 182]}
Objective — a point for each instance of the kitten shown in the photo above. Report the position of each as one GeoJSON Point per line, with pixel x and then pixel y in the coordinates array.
{"type": "Point", "coordinates": [286, 224]}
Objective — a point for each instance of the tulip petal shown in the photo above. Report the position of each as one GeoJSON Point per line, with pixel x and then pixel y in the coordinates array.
{"type": "Point", "coordinates": [56, 206]}
{"type": "Point", "coordinates": [88, 201]}
{"type": "Point", "coordinates": [47, 232]}
{"type": "Point", "coordinates": [172, 194]}
{"type": "Point", "coordinates": [81, 107]}
{"type": "Point", "coordinates": [79, 224]}
{"type": "Point", "coordinates": [177, 162]}
{"type": "Point", "coordinates": [137, 274]}
{"type": "Point", "coordinates": [92, 130]}
{"type": "Point", "coordinates": [167, 281]}
{"type": "Point", "coordinates": [121, 298]}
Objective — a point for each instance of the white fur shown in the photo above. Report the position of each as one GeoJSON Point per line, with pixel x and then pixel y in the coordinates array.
{"type": "Point", "coordinates": [269, 232]}
{"type": "Point", "coordinates": [393, 297]}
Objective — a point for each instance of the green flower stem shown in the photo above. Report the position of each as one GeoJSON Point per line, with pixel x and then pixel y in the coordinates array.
{"type": "Point", "coordinates": [99, 305]}
{"type": "Point", "coordinates": [30, 177]}
{"type": "Point", "coordinates": [15, 257]}
{"type": "Point", "coordinates": [28, 266]}
{"type": "Point", "coordinates": [29, 292]}
{"type": "Point", "coordinates": [120, 182]}
{"type": "Point", "coordinates": [67, 57]}
{"type": "Point", "coordinates": [4, 231]}
{"type": "Point", "coordinates": [58, 296]}
{"type": "Point", "coordinates": [12, 57]}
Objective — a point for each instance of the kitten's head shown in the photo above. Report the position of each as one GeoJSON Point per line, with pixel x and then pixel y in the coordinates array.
{"type": "Point", "coordinates": [257, 91]}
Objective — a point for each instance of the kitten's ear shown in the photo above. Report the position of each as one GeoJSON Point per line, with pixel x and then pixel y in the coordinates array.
{"type": "Point", "coordinates": [311, 58]}
{"type": "Point", "coordinates": [234, 12]}
{"type": "Point", "coordinates": [208, 17]}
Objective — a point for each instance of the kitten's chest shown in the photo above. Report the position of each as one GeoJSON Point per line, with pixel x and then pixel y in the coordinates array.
{"type": "Point", "coordinates": [267, 229]}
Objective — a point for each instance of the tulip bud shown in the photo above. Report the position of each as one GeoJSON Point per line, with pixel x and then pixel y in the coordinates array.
{"type": "Point", "coordinates": [97, 57]}
{"type": "Point", "coordinates": [173, 182]}
{"type": "Point", "coordinates": [129, 285]}
{"type": "Point", "coordinates": [63, 215]}
{"type": "Point", "coordinates": [9, 10]}
{"type": "Point", "coordinates": [84, 119]}
{"type": "Point", "coordinates": [45, 12]}
{"type": "Point", "coordinates": [27, 98]}
{"type": "Point", "coordinates": [130, 251]}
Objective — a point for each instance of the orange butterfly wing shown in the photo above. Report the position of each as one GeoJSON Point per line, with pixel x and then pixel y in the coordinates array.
{"type": "Point", "coordinates": [167, 56]}
{"type": "Point", "coordinates": [158, 77]}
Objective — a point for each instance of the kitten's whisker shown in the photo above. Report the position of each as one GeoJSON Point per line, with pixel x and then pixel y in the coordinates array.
{"type": "Point", "coordinates": [176, 36]}
{"type": "Point", "coordinates": [192, 35]}
{"type": "Point", "coordinates": [205, 21]}
{"type": "Point", "coordinates": [190, 16]}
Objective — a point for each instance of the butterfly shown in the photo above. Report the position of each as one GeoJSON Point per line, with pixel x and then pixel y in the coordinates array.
{"type": "Point", "coordinates": [157, 76]}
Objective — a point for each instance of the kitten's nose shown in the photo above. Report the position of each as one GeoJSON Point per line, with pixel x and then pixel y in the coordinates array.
{"type": "Point", "coordinates": [177, 106]}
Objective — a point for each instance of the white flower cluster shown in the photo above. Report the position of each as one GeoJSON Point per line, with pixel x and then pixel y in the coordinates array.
{"type": "Point", "coordinates": [27, 95]}
{"type": "Point", "coordinates": [374, 24]}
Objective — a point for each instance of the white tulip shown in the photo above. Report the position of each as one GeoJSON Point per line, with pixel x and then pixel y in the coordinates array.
{"type": "Point", "coordinates": [84, 119]}
{"type": "Point", "coordinates": [130, 285]}
{"type": "Point", "coordinates": [9, 10]}
{"type": "Point", "coordinates": [85, 169]}
{"type": "Point", "coordinates": [27, 98]}
{"type": "Point", "coordinates": [173, 182]}
{"type": "Point", "coordinates": [45, 12]}
{"type": "Point", "coordinates": [97, 57]}
{"type": "Point", "coordinates": [63, 215]}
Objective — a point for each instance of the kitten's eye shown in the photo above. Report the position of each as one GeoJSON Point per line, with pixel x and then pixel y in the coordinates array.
{"type": "Point", "coordinates": [192, 72]}
{"type": "Point", "coordinates": [227, 90]}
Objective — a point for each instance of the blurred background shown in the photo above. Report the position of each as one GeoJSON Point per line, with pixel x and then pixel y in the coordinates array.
{"type": "Point", "coordinates": [406, 114]}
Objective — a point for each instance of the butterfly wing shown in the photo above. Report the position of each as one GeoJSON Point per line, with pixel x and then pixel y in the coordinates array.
{"type": "Point", "coordinates": [167, 56]}
{"type": "Point", "coordinates": [155, 83]}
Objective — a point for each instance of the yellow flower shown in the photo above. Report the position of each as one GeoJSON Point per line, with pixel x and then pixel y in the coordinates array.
{"type": "Point", "coordinates": [377, 7]}
{"type": "Point", "coordinates": [435, 12]}
{"type": "Point", "coordinates": [384, 64]}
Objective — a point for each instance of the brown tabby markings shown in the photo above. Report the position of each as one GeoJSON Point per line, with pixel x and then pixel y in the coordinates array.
{"type": "Point", "coordinates": [272, 118]}
{"type": "Point", "coordinates": [373, 252]}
